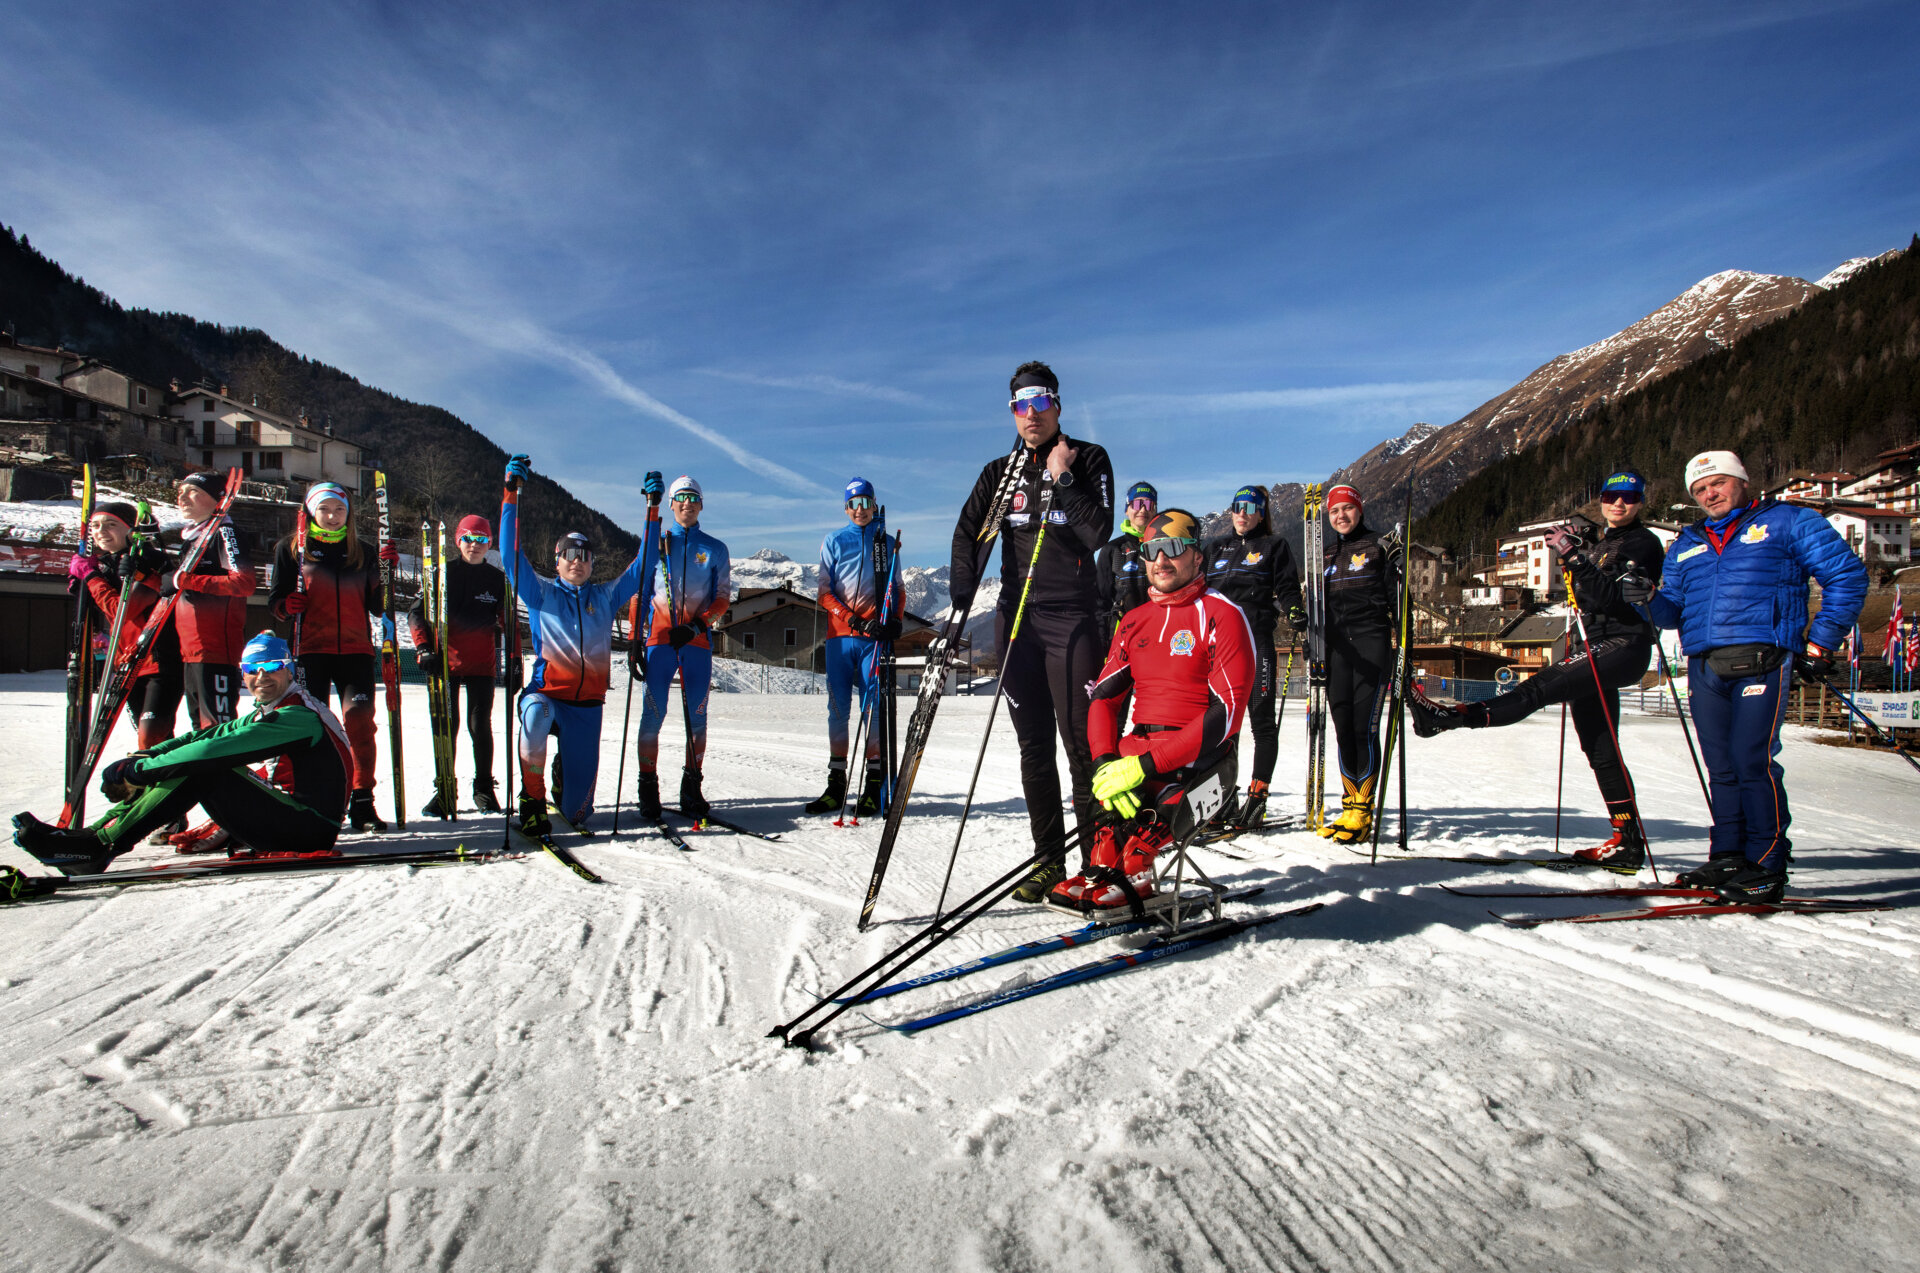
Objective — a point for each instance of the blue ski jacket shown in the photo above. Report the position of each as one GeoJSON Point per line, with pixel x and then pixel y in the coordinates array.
{"type": "Point", "coordinates": [1745, 582]}
{"type": "Point", "coordinates": [846, 585]}
{"type": "Point", "coordinates": [572, 626]}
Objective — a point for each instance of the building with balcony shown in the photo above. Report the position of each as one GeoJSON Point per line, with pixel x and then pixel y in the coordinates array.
{"type": "Point", "coordinates": [290, 451]}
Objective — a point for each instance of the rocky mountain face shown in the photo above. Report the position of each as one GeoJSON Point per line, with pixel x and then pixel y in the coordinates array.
{"type": "Point", "coordinates": [1709, 316]}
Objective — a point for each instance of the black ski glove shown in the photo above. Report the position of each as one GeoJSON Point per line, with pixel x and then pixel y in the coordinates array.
{"type": "Point", "coordinates": [637, 657]}
{"type": "Point", "coordinates": [116, 780]}
{"type": "Point", "coordinates": [1297, 616]}
{"type": "Point", "coordinates": [428, 661]}
{"type": "Point", "coordinates": [888, 631]}
{"type": "Point", "coordinates": [862, 627]}
{"type": "Point", "coordinates": [682, 635]}
{"type": "Point", "coordinates": [1635, 588]}
{"type": "Point", "coordinates": [1813, 663]}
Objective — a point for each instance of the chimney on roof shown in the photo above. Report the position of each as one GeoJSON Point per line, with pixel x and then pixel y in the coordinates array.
{"type": "Point", "coordinates": [174, 384]}
{"type": "Point", "coordinates": [223, 391]}
{"type": "Point", "coordinates": [256, 399]}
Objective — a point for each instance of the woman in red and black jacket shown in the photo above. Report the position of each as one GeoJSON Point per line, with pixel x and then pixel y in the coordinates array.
{"type": "Point", "coordinates": [117, 556]}
{"type": "Point", "coordinates": [476, 602]}
{"type": "Point", "coordinates": [211, 615]}
{"type": "Point", "coordinates": [330, 599]}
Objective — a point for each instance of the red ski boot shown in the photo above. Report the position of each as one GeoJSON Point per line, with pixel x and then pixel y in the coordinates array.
{"type": "Point", "coordinates": [1071, 893]}
{"type": "Point", "coordinates": [208, 837]}
{"type": "Point", "coordinates": [1625, 852]}
{"type": "Point", "coordinates": [1132, 880]}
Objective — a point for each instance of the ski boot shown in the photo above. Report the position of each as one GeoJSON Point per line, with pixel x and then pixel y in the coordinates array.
{"type": "Point", "coordinates": [1253, 810]}
{"type": "Point", "coordinates": [1041, 881]}
{"type": "Point", "coordinates": [360, 813]}
{"type": "Point", "coordinates": [1228, 816]}
{"type": "Point", "coordinates": [1071, 892]}
{"type": "Point", "coordinates": [68, 850]}
{"type": "Point", "coordinates": [692, 803]}
{"type": "Point", "coordinates": [650, 795]}
{"type": "Point", "coordinates": [534, 822]}
{"type": "Point", "coordinates": [164, 835]}
{"type": "Point", "coordinates": [1626, 852]}
{"type": "Point", "coordinates": [1429, 717]}
{"type": "Point", "coordinates": [484, 798]}
{"type": "Point", "coordinates": [836, 793]}
{"type": "Point", "coordinates": [433, 808]}
{"type": "Point", "coordinates": [208, 837]}
{"type": "Point", "coordinates": [1752, 882]}
{"type": "Point", "coordinates": [1713, 871]}
{"type": "Point", "coordinates": [1130, 881]}
{"type": "Point", "coordinates": [875, 793]}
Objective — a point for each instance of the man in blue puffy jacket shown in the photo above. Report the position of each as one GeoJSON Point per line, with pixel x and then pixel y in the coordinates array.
{"type": "Point", "coordinates": [1736, 587]}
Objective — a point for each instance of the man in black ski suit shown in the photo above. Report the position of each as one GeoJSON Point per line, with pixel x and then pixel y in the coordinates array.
{"type": "Point", "coordinates": [1253, 567]}
{"type": "Point", "coordinates": [1046, 670]}
{"type": "Point", "coordinates": [1621, 647]}
{"type": "Point", "coordinates": [1119, 573]}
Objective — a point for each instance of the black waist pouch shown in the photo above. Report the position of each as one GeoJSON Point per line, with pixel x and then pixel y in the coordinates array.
{"type": "Point", "coordinates": [1737, 662]}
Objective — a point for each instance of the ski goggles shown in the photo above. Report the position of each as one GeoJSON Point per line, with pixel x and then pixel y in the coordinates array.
{"type": "Point", "coordinates": [271, 665]}
{"type": "Point", "coordinates": [574, 554]}
{"type": "Point", "coordinates": [1033, 398]}
{"type": "Point", "coordinates": [687, 497]}
{"type": "Point", "coordinates": [1247, 508]}
{"type": "Point", "coordinates": [860, 501]}
{"type": "Point", "coordinates": [1619, 497]}
{"type": "Point", "coordinates": [1141, 502]}
{"type": "Point", "coordinates": [478, 541]}
{"type": "Point", "coordinates": [1165, 546]}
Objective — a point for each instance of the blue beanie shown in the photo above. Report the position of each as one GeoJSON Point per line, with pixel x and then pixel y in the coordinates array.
{"type": "Point", "coordinates": [859, 486]}
{"type": "Point", "coordinates": [1625, 482]}
{"type": "Point", "coordinates": [1251, 495]}
{"type": "Point", "coordinates": [265, 648]}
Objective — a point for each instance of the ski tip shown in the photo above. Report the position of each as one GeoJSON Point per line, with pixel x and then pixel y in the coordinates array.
{"type": "Point", "coordinates": [1515, 921]}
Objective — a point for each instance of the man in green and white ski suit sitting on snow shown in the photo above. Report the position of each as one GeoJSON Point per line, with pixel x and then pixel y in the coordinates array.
{"type": "Point", "coordinates": [297, 807]}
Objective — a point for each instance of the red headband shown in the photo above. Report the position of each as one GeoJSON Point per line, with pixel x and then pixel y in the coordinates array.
{"type": "Point", "coordinates": [1342, 495]}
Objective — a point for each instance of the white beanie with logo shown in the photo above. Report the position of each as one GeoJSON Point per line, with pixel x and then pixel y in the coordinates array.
{"type": "Point", "coordinates": [1714, 464]}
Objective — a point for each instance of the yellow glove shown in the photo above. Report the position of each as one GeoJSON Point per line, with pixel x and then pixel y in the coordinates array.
{"type": "Point", "coordinates": [1114, 784]}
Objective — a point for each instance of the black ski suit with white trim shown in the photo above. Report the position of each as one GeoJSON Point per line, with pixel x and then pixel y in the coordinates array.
{"type": "Point", "coordinates": [1046, 673]}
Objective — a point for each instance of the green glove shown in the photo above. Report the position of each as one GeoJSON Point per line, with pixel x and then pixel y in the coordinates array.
{"type": "Point", "coordinates": [1114, 782]}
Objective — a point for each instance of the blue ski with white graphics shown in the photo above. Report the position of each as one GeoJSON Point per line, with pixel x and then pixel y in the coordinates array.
{"type": "Point", "coordinates": [1161, 949]}
{"type": "Point", "coordinates": [1085, 935]}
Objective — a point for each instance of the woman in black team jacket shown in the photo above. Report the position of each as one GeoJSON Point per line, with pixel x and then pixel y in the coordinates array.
{"type": "Point", "coordinates": [1253, 568]}
{"type": "Point", "coordinates": [1362, 574]}
{"type": "Point", "coordinates": [1622, 646]}
{"type": "Point", "coordinates": [1046, 672]}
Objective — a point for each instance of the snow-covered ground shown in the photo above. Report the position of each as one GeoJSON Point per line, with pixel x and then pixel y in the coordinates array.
{"type": "Point", "coordinates": [501, 1067]}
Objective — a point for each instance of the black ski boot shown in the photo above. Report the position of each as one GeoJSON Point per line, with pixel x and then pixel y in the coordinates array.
{"type": "Point", "coordinates": [164, 835]}
{"type": "Point", "coordinates": [835, 795]}
{"type": "Point", "coordinates": [1253, 810]}
{"type": "Point", "coordinates": [875, 794]}
{"type": "Point", "coordinates": [692, 803]}
{"type": "Point", "coordinates": [484, 798]}
{"type": "Point", "coordinates": [360, 814]}
{"type": "Point", "coordinates": [1429, 717]}
{"type": "Point", "coordinates": [1626, 852]}
{"type": "Point", "coordinates": [1753, 883]}
{"type": "Point", "coordinates": [1037, 885]}
{"type": "Point", "coordinates": [433, 808]}
{"type": "Point", "coordinates": [1716, 869]}
{"type": "Point", "coordinates": [74, 852]}
{"type": "Point", "coordinates": [650, 795]}
{"type": "Point", "coordinates": [534, 822]}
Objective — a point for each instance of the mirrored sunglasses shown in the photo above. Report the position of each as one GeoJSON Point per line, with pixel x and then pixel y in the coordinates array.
{"type": "Point", "coordinates": [574, 554]}
{"type": "Point", "coordinates": [686, 497]}
{"type": "Point", "coordinates": [481, 540]}
{"type": "Point", "coordinates": [1247, 508]}
{"type": "Point", "coordinates": [860, 501]}
{"type": "Point", "coordinates": [1164, 547]}
{"type": "Point", "coordinates": [1141, 501]}
{"type": "Point", "coordinates": [271, 665]}
{"type": "Point", "coordinates": [1031, 399]}
{"type": "Point", "coordinates": [1619, 497]}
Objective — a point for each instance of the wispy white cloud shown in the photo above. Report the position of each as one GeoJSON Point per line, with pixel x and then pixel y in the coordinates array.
{"type": "Point", "coordinates": [820, 384]}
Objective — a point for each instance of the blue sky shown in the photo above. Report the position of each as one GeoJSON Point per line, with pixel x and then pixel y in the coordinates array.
{"type": "Point", "coordinates": [777, 245]}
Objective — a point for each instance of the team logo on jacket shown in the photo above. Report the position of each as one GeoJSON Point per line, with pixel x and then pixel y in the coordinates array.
{"type": "Point", "coordinates": [1358, 560]}
{"type": "Point", "coordinates": [1254, 559]}
{"type": "Point", "coordinates": [1691, 552]}
{"type": "Point", "coordinates": [1753, 534]}
{"type": "Point", "coordinates": [1182, 642]}
{"type": "Point", "coordinates": [1057, 516]}
{"type": "Point", "coordinates": [1132, 566]}
{"type": "Point", "coordinates": [700, 558]}
{"type": "Point", "coordinates": [1020, 501]}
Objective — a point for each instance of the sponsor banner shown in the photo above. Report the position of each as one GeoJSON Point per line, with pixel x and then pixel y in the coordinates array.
{"type": "Point", "coordinates": [1891, 711]}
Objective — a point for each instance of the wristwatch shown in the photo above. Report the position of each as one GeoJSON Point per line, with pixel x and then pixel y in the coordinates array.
{"type": "Point", "coordinates": [1065, 478]}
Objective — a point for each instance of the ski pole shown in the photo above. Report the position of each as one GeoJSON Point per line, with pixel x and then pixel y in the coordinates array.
{"type": "Point", "coordinates": [1879, 734]}
{"type": "Point", "coordinates": [509, 655]}
{"type": "Point", "coordinates": [642, 599]}
{"type": "Point", "coordinates": [1560, 782]}
{"type": "Point", "coordinates": [1679, 711]}
{"type": "Point", "coordinates": [999, 689]}
{"type": "Point", "coordinates": [626, 719]}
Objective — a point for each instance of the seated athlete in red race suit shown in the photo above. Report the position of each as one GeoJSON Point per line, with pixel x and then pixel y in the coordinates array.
{"type": "Point", "coordinates": [1185, 662]}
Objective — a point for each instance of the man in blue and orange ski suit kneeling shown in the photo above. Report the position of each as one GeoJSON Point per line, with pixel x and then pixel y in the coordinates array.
{"type": "Point", "coordinates": [571, 621]}
{"type": "Point", "coordinates": [1185, 661]}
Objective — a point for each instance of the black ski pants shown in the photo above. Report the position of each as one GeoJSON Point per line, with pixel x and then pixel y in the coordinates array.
{"type": "Point", "coordinates": [254, 811]}
{"type": "Point", "coordinates": [1262, 710]}
{"type": "Point", "coordinates": [212, 690]}
{"type": "Point", "coordinates": [1620, 660]}
{"type": "Point", "coordinates": [1044, 676]}
{"type": "Point", "coordinates": [154, 705]}
{"type": "Point", "coordinates": [479, 692]}
{"type": "Point", "coordinates": [1359, 672]}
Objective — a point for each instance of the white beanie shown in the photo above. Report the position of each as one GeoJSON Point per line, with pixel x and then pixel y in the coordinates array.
{"type": "Point", "coordinates": [1713, 464]}
{"type": "Point", "coordinates": [683, 483]}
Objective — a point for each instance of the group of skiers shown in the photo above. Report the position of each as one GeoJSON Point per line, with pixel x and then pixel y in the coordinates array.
{"type": "Point", "coordinates": [1140, 653]}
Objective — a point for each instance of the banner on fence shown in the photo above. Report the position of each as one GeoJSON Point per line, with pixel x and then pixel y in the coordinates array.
{"type": "Point", "coordinates": [1891, 711]}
